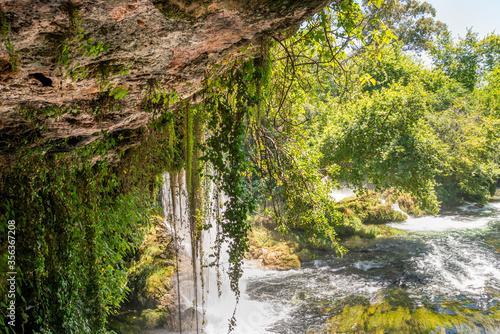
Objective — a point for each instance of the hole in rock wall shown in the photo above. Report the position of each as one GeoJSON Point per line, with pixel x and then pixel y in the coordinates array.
{"type": "Point", "coordinates": [42, 78]}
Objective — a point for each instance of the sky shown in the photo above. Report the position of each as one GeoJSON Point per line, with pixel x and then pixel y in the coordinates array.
{"type": "Point", "coordinates": [482, 15]}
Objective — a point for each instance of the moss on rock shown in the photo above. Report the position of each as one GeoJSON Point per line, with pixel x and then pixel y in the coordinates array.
{"type": "Point", "coordinates": [278, 257]}
{"type": "Point", "coordinates": [274, 250]}
{"type": "Point", "coordinates": [370, 209]}
{"type": "Point", "coordinates": [152, 269]}
{"type": "Point", "coordinates": [150, 273]}
{"type": "Point", "coordinates": [396, 313]}
{"type": "Point", "coordinates": [305, 255]}
{"type": "Point", "coordinates": [406, 202]}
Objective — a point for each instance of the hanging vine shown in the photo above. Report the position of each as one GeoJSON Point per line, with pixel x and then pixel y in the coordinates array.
{"type": "Point", "coordinates": [228, 104]}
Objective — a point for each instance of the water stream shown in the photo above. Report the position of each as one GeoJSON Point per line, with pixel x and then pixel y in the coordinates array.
{"type": "Point", "coordinates": [443, 276]}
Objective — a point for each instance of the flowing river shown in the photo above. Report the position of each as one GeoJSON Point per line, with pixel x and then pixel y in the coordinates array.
{"type": "Point", "coordinates": [441, 276]}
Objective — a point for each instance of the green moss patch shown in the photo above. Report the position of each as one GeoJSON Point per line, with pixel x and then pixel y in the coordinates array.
{"type": "Point", "coordinates": [275, 250]}
{"type": "Point", "coordinates": [132, 322]}
{"type": "Point", "coordinates": [406, 202]}
{"type": "Point", "coordinates": [369, 209]}
{"type": "Point", "coordinates": [279, 256]}
{"type": "Point", "coordinates": [397, 313]}
{"type": "Point", "coordinates": [152, 269]}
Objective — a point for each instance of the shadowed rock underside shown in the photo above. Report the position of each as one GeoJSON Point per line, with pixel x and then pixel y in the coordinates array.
{"type": "Point", "coordinates": [167, 44]}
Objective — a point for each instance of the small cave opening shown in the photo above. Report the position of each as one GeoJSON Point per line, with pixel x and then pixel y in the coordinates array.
{"type": "Point", "coordinates": [42, 78]}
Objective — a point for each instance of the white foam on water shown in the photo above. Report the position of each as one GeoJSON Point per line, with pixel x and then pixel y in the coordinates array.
{"type": "Point", "coordinates": [494, 204]}
{"type": "Point", "coordinates": [367, 265]}
{"type": "Point", "coordinates": [476, 207]}
{"type": "Point", "coordinates": [454, 262]}
{"type": "Point", "coordinates": [320, 265]}
{"type": "Point", "coordinates": [372, 289]}
{"type": "Point", "coordinates": [457, 264]}
{"type": "Point", "coordinates": [483, 215]}
{"type": "Point", "coordinates": [340, 194]}
{"type": "Point", "coordinates": [439, 223]}
{"type": "Point", "coordinates": [252, 316]}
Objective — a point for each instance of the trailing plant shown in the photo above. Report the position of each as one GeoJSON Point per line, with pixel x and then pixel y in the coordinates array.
{"type": "Point", "coordinates": [7, 43]}
{"type": "Point", "coordinates": [285, 131]}
{"type": "Point", "coordinates": [228, 104]}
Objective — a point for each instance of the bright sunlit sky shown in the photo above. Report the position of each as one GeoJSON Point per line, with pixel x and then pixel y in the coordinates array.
{"type": "Point", "coordinates": [482, 15]}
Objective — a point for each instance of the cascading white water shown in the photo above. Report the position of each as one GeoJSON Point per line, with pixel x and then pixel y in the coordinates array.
{"type": "Point", "coordinates": [176, 213]}
{"type": "Point", "coordinates": [340, 194]}
{"type": "Point", "coordinates": [202, 307]}
{"type": "Point", "coordinates": [396, 207]}
{"type": "Point", "coordinates": [197, 284]}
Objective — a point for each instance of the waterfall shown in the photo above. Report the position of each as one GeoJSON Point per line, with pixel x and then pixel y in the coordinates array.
{"type": "Point", "coordinates": [396, 207]}
{"type": "Point", "coordinates": [344, 191]}
{"type": "Point", "coordinates": [341, 193]}
{"type": "Point", "coordinates": [176, 215]}
{"type": "Point", "coordinates": [203, 289]}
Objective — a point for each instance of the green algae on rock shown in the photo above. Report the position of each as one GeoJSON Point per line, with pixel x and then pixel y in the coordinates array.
{"type": "Point", "coordinates": [396, 312]}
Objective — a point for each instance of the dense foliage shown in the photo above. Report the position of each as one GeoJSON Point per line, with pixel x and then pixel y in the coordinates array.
{"type": "Point", "coordinates": [379, 116]}
{"type": "Point", "coordinates": [77, 220]}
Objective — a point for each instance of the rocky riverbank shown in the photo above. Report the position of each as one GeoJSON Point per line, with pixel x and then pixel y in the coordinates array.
{"type": "Point", "coordinates": [364, 218]}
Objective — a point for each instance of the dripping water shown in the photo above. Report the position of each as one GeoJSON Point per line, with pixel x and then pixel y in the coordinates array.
{"type": "Point", "coordinates": [205, 300]}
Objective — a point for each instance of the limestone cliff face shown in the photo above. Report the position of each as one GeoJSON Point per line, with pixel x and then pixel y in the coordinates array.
{"type": "Point", "coordinates": [162, 43]}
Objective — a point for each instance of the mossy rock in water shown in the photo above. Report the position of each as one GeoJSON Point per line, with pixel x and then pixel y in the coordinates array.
{"type": "Point", "coordinates": [383, 213]}
{"type": "Point", "coordinates": [406, 202]}
{"type": "Point", "coordinates": [278, 251]}
{"type": "Point", "coordinates": [369, 209]}
{"type": "Point", "coordinates": [399, 315]}
{"type": "Point", "coordinates": [354, 227]}
{"type": "Point", "coordinates": [305, 255]}
{"type": "Point", "coordinates": [279, 257]}
{"type": "Point", "coordinates": [262, 236]}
